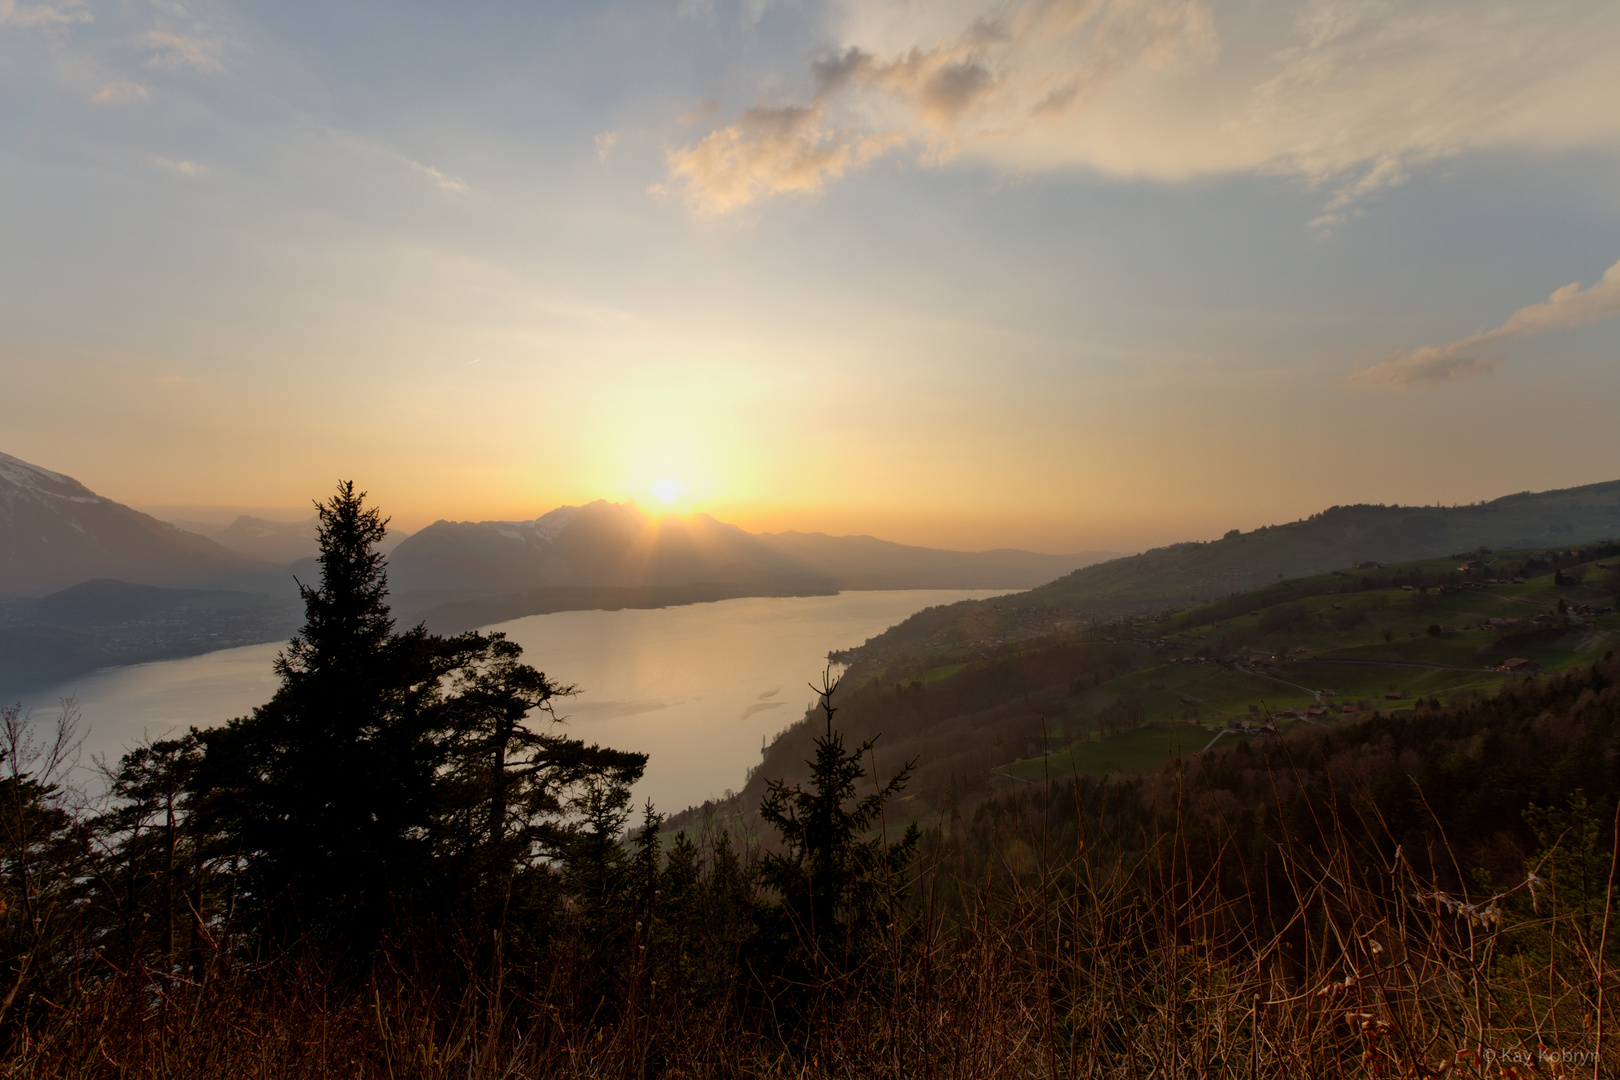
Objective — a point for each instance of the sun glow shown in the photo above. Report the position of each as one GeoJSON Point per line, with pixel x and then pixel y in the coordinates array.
{"type": "Point", "coordinates": [667, 490]}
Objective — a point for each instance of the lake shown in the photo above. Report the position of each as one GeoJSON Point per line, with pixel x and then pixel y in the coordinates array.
{"type": "Point", "coordinates": [700, 688]}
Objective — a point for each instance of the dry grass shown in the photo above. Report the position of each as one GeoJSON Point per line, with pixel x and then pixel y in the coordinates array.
{"type": "Point", "coordinates": [1072, 966]}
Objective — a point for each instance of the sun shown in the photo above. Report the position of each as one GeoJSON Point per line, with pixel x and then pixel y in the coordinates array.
{"type": "Point", "coordinates": [667, 490]}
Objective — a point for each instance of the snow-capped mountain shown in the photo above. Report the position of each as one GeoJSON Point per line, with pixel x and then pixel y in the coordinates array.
{"type": "Point", "coordinates": [55, 532]}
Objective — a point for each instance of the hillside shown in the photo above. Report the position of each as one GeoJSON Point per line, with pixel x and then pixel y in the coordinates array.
{"type": "Point", "coordinates": [55, 532]}
{"type": "Point", "coordinates": [1337, 538]}
{"type": "Point", "coordinates": [979, 707]}
{"type": "Point", "coordinates": [103, 623]}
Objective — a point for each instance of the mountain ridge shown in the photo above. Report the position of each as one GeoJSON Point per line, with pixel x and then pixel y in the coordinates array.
{"type": "Point", "coordinates": [55, 532]}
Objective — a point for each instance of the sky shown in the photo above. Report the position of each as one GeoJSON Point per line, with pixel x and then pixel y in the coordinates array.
{"type": "Point", "coordinates": [1053, 274]}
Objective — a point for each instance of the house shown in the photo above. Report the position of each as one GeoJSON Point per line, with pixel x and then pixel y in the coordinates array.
{"type": "Point", "coordinates": [1394, 695]}
{"type": "Point", "coordinates": [1519, 665]}
{"type": "Point", "coordinates": [1316, 710]}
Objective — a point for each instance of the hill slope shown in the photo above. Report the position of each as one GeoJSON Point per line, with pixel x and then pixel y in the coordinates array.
{"type": "Point", "coordinates": [981, 709]}
{"type": "Point", "coordinates": [1337, 538]}
{"type": "Point", "coordinates": [103, 623]}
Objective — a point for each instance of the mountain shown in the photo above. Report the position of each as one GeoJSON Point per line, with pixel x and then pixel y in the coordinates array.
{"type": "Point", "coordinates": [612, 554]}
{"type": "Point", "coordinates": [601, 543]}
{"type": "Point", "coordinates": [55, 532]}
{"type": "Point", "coordinates": [278, 542]}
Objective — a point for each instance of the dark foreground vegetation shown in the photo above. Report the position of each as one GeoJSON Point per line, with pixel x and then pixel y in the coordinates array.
{"type": "Point", "coordinates": [401, 867]}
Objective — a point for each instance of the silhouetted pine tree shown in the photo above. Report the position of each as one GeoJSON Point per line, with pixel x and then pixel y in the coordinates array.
{"type": "Point", "coordinates": [832, 876]}
{"type": "Point", "coordinates": [327, 790]}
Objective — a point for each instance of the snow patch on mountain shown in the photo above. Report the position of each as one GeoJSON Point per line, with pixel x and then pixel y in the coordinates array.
{"type": "Point", "coordinates": [539, 532]}
{"type": "Point", "coordinates": [29, 479]}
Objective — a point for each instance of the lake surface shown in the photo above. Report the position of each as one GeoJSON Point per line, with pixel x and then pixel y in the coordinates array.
{"type": "Point", "coordinates": [700, 688]}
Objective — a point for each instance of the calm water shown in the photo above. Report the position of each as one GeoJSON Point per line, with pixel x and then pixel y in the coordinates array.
{"type": "Point", "coordinates": [699, 688]}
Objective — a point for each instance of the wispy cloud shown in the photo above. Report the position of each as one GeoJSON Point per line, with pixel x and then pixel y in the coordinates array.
{"type": "Point", "coordinates": [43, 15]}
{"type": "Point", "coordinates": [172, 51]}
{"type": "Point", "coordinates": [605, 142]}
{"type": "Point", "coordinates": [1437, 364]}
{"type": "Point", "coordinates": [180, 167]}
{"type": "Point", "coordinates": [1350, 96]}
{"type": "Point", "coordinates": [113, 93]}
{"type": "Point", "coordinates": [440, 180]}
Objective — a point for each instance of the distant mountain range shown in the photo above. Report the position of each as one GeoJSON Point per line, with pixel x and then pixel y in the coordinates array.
{"type": "Point", "coordinates": [56, 535]}
{"type": "Point", "coordinates": [55, 532]}
{"type": "Point", "coordinates": [615, 544]}
{"type": "Point", "coordinates": [278, 542]}
{"type": "Point", "coordinates": [87, 582]}
{"type": "Point", "coordinates": [462, 574]}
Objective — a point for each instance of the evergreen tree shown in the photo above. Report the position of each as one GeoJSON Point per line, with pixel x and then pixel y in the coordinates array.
{"type": "Point", "coordinates": [516, 799]}
{"type": "Point", "coordinates": [328, 789]}
{"type": "Point", "coordinates": [402, 771]}
{"type": "Point", "coordinates": [830, 875]}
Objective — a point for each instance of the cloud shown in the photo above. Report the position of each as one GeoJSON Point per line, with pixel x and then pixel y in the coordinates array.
{"type": "Point", "coordinates": [440, 180]}
{"type": "Point", "coordinates": [605, 142]}
{"type": "Point", "coordinates": [173, 51]}
{"type": "Point", "coordinates": [113, 93]}
{"type": "Point", "coordinates": [44, 15]}
{"type": "Point", "coordinates": [1349, 96]}
{"type": "Point", "coordinates": [992, 77]}
{"type": "Point", "coordinates": [1436, 364]}
{"type": "Point", "coordinates": [769, 151]}
{"type": "Point", "coordinates": [183, 168]}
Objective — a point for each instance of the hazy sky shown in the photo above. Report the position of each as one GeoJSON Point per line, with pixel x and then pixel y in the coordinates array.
{"type": "Point", "coordinates": [1040, 273]}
